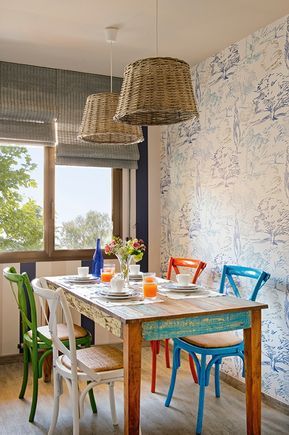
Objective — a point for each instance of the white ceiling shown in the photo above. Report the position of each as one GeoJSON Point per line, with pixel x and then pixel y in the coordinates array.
{"type": "Point", "coordinates": [69, 34]}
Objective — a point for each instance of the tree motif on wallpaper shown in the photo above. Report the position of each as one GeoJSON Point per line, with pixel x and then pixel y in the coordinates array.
{"type": "Point", "coordinates": [286, 173]}
{"type": "Point", "coordinates": [286, 304]}
{"type": "Point", "coordinates": [272, 219]}
{"type": "Point", "coordinates": [198, 93]}
{"type": "Point", "coordinates": [237, 240]}
{"type": "Point", "coordinates": [276, 353]}
{"type": "Point", "coordinates": [273, 95]}
{"type": "Point", "coordinates": [188, 131]}
{"type": "Point", "coordinates": [236, 128]}
{"type": "Point", "coordinates": [223, 65]}
{"type": "Point", "coordinates": [286, 45]}
{"type": "Point", "coordinates": [225, 165]}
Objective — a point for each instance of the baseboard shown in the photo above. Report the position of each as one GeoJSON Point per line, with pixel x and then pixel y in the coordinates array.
{"type": "Point", "coordinates": [268, 400]}
{"type": "Point", "coordinates": [9, 359]}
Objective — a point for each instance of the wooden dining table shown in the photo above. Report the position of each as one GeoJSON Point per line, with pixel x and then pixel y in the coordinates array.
{"type": "Point", "coordinates": [170, 319]}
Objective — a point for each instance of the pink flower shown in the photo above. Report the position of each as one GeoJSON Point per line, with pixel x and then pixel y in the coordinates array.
{"type": "Point", "coordinates": [136, 245]}
{"type": "Point", "coordinates": [107, 249]}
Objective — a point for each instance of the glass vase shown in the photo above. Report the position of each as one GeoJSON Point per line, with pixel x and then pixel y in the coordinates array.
{"type": "Point", "coordinates": [124, 263]}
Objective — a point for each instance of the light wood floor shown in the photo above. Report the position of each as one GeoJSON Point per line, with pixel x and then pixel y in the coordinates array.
{"type": "Point", "coordinates": [222, 416]}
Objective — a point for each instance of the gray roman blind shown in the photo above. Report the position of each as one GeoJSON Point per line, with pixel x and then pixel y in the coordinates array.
{"type": "Point", "coordinates": [45, 106]}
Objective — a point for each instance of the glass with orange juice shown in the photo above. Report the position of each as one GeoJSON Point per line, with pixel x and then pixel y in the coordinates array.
{"type": "Point", "coordinates": [107, 272]}
{"type": "Point", "coordinates": [149, 285]}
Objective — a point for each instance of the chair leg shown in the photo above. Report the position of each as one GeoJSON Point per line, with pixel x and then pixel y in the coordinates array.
{"type": "Point", "coordinates": [92, 400]}
{"type": "Point", "coordinates": [202, 383]}
{"type": "Point", "coordinates": [75, 406]}
{"type": "Point", "coordinates": [158, 346]}
{"type": "Point", "coordinates": [167, 352]}
{"type": "Point", "coordinates": [56, 395]}
{"type": "Point", "coordinates": [176, 365]}
{"type": "Point", "coordinates": [112, 404]}
{"type": "Point", "coordinates": [25, 371]}
{"type": "Point", "coordinates": [154, 365]}
{"type": "Point", "coordinates": [217, 378]}
{"type": "Point", "coordinates": [193, 369]}
{"type": "Point", "coordinates": [34, 360]}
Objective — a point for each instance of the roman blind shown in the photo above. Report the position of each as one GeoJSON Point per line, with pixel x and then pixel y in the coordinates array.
{"type": "Point", "coordinates": [44, 106]}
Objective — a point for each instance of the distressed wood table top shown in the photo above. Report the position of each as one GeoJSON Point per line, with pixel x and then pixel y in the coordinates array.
{"type": "Point", "coordinates": [169, 309]}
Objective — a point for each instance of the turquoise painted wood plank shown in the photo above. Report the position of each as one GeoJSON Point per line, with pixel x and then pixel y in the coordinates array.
{"type": "Point", "coordinates": [173, 328]}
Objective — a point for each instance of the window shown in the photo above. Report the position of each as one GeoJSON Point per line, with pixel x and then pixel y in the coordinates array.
{"type": "Point", "coordinates": [54, 212]}
{"type": "Point", "coordinates": [83, 198]}
{"type": "Point", "coordinates": [21, 198]}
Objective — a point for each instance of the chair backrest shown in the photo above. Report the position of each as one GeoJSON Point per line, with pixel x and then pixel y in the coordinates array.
{"type": "Point", "coordinates": [175, 263]}
{"type": "Point", "coordinates": [56, 298]}
{"type": "Point", "coordinates": [229, 271]}
{"type": "Point", "coordinates": [24, 297]}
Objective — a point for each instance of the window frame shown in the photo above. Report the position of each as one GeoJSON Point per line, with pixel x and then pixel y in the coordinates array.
{"type": "Point", "coordinates": [50, 253]}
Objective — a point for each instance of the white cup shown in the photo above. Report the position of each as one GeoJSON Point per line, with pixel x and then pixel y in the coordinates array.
{"type": "Point", "coordinates": [134, 269]}
{"type": "Point", "coordinates": [117, 283]}
{"type": "Point", "coordinates": [184, 278]}
{"type": "Point", "coordinates": [83, 271]}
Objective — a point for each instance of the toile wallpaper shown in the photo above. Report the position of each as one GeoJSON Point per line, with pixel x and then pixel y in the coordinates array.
{"type": "Point", "coordinates": [225, 182]}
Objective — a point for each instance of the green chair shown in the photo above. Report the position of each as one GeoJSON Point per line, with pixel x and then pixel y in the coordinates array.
{"type": "Point", "coordinates": [37, 343]}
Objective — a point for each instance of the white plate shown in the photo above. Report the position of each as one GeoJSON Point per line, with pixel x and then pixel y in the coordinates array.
{"type": "Point", "coordinates": [81, 279]}
{"type": "Point", "coordinates": [125, 296]}
{"type": "Point", "coordinates": [110, 292]}
{"type": "Point", "coordinates": [137, 277]}
{"type": "Point", "coordinates": [181, 288]}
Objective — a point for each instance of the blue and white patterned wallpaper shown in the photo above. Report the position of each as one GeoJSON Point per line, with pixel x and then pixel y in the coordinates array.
{"type": "Point", "coordinates": [225, 182]}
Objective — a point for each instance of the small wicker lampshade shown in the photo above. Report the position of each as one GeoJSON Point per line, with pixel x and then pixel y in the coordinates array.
{"type": "Point", "coordinates": [98, 125]}
{"type": "Point", "coordinates": [156, 91]}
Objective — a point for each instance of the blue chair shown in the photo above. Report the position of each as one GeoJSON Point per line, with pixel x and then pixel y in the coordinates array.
{"type": "Point", "coordinates": [217, 345]}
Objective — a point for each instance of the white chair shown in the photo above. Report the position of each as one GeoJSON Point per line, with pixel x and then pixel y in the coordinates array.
{"type": "Point", "coordinates": [96, 365]}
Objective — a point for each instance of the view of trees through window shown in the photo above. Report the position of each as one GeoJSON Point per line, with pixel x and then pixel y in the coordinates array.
{"type": "Point", "coordinates": [21, 212]}
{"type": "Point", "coordinates": [83, 202]}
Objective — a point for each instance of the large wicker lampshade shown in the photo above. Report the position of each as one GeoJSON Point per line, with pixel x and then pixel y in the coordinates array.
{"type": "Point", "coordinates": [156, 91]}
{"type": "Point", "coordinates": [98, 125]}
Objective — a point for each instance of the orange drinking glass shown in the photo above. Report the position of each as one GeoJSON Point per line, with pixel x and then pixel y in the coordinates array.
{"type": "Point", "coordinates": [149, 285]}
{"type": "Point", "coordinates": [107, 272]}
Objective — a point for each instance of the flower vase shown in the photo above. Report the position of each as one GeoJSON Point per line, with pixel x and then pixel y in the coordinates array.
{"type": "Point", "coordinates": [124, 263]}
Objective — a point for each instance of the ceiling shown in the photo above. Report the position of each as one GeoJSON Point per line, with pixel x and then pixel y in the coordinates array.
{"type": "Point", "coordinates": [69, 34]}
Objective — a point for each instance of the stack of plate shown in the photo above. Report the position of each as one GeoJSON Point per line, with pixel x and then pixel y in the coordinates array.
{"type": "Point", "coordinates": [137, 277]}
{"type": "Point", "coordinates": [81, 279]}
{"type": "Point", "coordinates": [182, 288]}
{"type": "Point", "coordinates": [112, 294]}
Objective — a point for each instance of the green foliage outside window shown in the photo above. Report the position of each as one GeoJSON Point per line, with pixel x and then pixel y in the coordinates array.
{"type": "Point", "coordinates": [21, 221]}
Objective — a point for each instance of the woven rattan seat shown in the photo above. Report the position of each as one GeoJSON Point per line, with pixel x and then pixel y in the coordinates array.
{"type": "Point", "coordinates": [62, 331]}
{"type": "Point", "coordinates": [98, 358]}
{"type": "Point", "coordinates": [218, 339]}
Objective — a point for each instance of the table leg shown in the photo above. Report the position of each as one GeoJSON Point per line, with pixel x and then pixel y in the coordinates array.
{"type": "Point", "coordinates": [132, 340]}
{"type": "Point", "coordinates": [252, 342]}
{"type": "Point", "coordinates": [47, 368]}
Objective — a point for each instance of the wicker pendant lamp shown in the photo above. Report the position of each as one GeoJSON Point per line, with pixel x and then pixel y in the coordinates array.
{"type": "Point", "coordinates": [156, 91]}
{"type": "Point", "coordinates": [97, 124]}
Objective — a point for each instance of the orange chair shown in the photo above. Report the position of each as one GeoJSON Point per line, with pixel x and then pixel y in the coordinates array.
{"type": "Point", "coordinates": [175, 263]}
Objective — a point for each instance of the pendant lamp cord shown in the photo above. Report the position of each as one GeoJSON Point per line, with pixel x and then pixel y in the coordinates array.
{"type": "Point", "coordinates": [157, 28]}
{"type": "Point", "coordinates": [110, 66]}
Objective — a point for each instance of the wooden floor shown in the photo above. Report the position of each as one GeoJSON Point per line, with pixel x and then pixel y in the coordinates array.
{"type": "Point", "coordinates": [222, 416]}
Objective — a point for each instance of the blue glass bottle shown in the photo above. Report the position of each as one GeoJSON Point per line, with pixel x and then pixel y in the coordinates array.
{"type": "Point", "coordinates": [97, 260]}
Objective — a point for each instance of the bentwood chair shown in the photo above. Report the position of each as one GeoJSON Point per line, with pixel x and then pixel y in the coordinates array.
{"type": "Point", "coordinates": [102, 364]}
{"type": "Point", "coordinates": [216, 345]}
{"type": "Point", "coordinates": [37, 340]}
{"type": "Point", "coordinates": [175, 264]}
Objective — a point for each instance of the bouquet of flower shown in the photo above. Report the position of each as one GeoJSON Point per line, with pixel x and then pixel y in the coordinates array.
{"type": "Point", "coordinates": [126, 249]}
